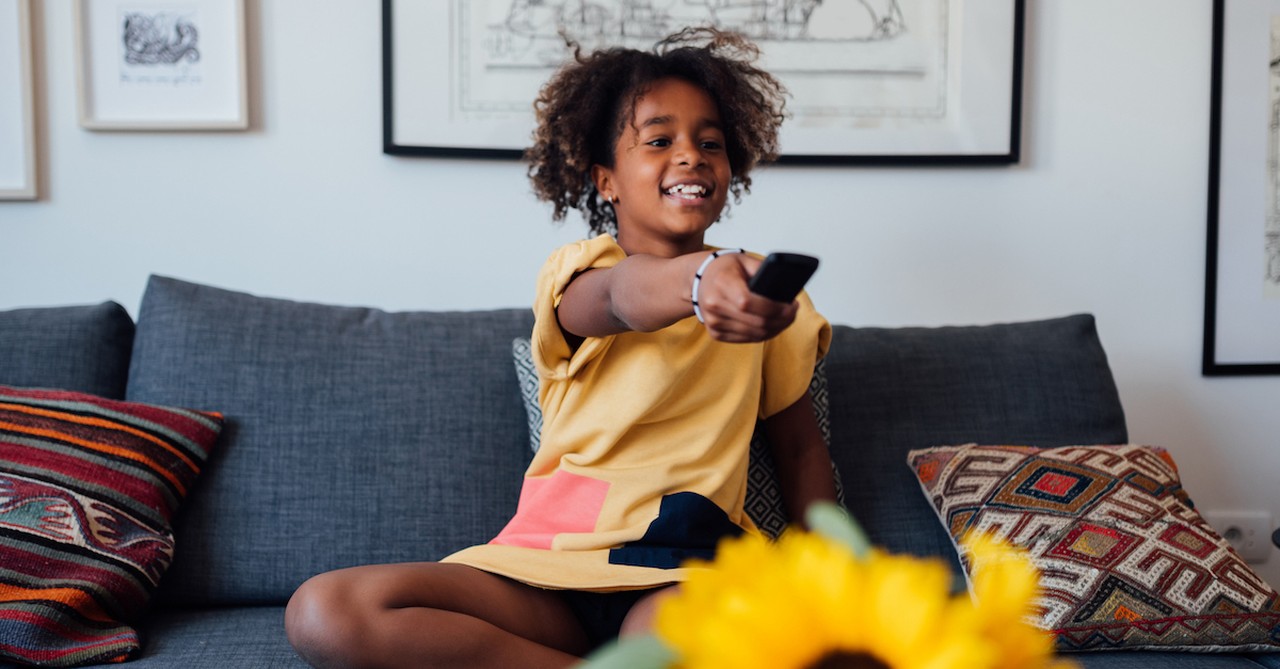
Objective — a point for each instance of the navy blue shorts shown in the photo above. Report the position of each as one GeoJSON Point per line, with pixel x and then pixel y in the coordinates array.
{"type": "Point", "coordinates": [601, 613]}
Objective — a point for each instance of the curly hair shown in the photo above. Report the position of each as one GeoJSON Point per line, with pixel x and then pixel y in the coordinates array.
{"type": "Point", "coordinates": [584, 108]}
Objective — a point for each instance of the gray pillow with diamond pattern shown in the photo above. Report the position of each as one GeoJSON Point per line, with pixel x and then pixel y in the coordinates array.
{"type": "Point", "coordinates": [764, 495]}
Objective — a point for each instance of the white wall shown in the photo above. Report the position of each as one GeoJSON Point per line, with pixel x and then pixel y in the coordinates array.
{"type": "Point", "coordinates": [1106, 213]}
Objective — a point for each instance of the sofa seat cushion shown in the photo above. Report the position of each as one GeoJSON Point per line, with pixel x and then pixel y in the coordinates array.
{"type": "Point", "coordinates": [247, 638]}
{"type": "Point", "coordinates": [1153, 660]}
{"type": "Point", "coordinates": [218, 638]}
{"type": "Point", "coordinates": [254, 638]}
{"type": "Point", "coordinates": [81, 348]}
{"type": "Point", "coordinates": [353, 435]}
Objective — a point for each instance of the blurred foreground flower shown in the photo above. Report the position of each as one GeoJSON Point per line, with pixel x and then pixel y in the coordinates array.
{"type": "Point", "coordinates": [826, 600]}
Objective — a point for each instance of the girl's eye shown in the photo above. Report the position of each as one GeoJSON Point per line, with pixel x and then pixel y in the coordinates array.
{"type": "Point", "coordinates": [712, 144]}
{"type": "Point", "coordinates": [659, 142]}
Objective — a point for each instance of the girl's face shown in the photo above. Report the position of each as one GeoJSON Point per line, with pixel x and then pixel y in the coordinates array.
{"type": "Point", "coordinates": [670, 171]}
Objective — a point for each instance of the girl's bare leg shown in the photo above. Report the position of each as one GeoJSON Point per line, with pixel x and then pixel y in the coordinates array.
{"type": "Point", "coordinates": [639, 619]}
{"type": "Point", "coordinates": [429, 615]}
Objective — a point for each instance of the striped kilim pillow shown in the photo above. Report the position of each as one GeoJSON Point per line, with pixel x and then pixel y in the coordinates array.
{"type": "Point", "coordinates": [88, 488]}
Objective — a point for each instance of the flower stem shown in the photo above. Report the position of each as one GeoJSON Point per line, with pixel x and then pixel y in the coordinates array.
{"type": "Point", "coordinates": [833, 522]}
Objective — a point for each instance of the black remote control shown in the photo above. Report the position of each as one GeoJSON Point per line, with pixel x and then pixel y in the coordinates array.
{"type": "Point", "coordinates": [782, 275]}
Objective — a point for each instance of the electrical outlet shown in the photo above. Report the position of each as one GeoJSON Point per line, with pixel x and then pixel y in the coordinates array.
{"type": "Point", "coordinates": [1249, 532]}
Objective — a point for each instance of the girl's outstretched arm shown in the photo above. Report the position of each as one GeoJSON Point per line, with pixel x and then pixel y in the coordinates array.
{"type": "Point", "coordinates": [644, 293]}
{"type": "Point", "coordinates": [801, 458]}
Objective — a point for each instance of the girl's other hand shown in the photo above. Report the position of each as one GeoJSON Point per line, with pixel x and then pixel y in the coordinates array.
{"type": "Point", "coordinates": [731, 312]}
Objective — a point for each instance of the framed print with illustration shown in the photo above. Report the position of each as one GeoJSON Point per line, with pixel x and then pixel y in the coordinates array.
{"type": "Point", "coordinates": [17, 109]}
{"type": "Point", "coordinates": [176, 65]}
{"type": "Point", "coordinates": [871, 81]}
{"type": "Point", "coordinates": [1242, 284]}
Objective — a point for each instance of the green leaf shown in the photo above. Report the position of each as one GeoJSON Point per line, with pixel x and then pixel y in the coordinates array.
{"type": "Point", "coordinates": [833, 522]}
{"type": "Point", "coordinates": [634, 652]}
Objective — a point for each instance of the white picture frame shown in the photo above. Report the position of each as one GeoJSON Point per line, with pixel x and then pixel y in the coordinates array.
{"type": "Point", "coordinates": [171, 65]}
{"type": "Point", "coordinates": [871, 81]}
{"type": "Point", "coordinates": [1242, 277]}
{"type": "Point", "coordinates": [17, 112]}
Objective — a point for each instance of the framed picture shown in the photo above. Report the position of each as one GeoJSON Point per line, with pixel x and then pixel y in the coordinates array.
{"type": "Point", "coordinates": [1242, 287]}
{"type": "Point", "coordinates": [173, 65]}
{"type": "Point", "coordinates": [871, 81]}
{"type": "Point", "coordinates": [17, 112]}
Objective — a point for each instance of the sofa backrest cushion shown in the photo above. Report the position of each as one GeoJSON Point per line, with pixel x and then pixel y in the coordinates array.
{"type": "Point", "coordinates": [1043, 383]}
{"type": "Point", "coordinates": [77, 348]}
{"type": "Point", "coordinates": [353, 435]}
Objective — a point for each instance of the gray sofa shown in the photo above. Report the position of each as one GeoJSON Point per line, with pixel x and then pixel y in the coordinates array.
{"type": "Point", "coordinates": [359, 436]}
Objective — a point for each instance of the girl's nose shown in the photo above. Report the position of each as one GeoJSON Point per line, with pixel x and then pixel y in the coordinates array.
{"type": "Point", "coordinates": [688, 153]}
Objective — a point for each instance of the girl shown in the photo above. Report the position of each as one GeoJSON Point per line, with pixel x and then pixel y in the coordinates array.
{"type": "Point", "coordinates": [655, 363]}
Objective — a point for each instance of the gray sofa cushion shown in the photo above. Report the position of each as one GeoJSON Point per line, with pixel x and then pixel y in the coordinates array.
{"type": "Point", "coordinates": [81, 348]}
{"type": "Point", "coordinates": [353, 435]}
{"type": "Point", "coordinates": [244, 637]}
{"type": "Point", "coordinates": [1043, 383]}
{"type": "Point", "coordinates": [1141, 660]}
{"type": "Point", "coordinates": [249, 637]}
{"type": "Point", "coordinates": [254, 638]}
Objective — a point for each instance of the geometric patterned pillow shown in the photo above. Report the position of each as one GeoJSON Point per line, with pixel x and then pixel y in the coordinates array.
{"type": "Point", "coordinates": [764, 504]}
{"type": "Point", "coordinates": [1125, 560]}
{"type": "Point", "coordinates": [527, 374]}
{"type": "Point", "coordinates": [88, 490]}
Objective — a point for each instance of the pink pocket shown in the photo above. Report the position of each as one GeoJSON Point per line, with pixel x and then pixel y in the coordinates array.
{"type": "Point", "coordinates": [560, 503]}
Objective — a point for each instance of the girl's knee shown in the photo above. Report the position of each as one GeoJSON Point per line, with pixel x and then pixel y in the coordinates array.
{"type": "Point", "coordinates": [322, 623]}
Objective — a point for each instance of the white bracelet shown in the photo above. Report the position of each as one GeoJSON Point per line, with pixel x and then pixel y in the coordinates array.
{"type": "Point", "coordinates": [697, 277]}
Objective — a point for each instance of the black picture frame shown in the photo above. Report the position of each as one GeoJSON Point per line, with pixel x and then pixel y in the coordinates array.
{"type": "Point", "coordinates": [997, 142]}
{"type": "Point", "coordinates": [1228, 314]}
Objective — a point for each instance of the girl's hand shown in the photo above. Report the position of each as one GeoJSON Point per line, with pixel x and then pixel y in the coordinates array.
{"type": "Point", "coordinates": [731, 312]}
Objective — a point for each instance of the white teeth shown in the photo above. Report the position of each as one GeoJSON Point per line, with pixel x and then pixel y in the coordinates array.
{"type": "Point", "coordinates": [687, 190]}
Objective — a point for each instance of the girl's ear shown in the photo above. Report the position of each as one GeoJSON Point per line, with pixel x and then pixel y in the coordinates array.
{"type": "Point", "coordinates": [602, 177]}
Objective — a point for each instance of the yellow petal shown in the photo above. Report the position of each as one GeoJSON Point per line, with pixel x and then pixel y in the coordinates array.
{"type": "Point", "coordinates": [785, 605]}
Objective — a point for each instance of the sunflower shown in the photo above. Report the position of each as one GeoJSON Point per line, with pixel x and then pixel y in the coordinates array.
{"type": "Point", "coordinates": [803, 599]}
{"type": "Point", "coordinates": [825, 600]}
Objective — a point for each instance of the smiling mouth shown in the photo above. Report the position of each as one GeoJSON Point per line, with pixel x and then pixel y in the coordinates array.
{"type": "Point", "coordinates": [691, 192]}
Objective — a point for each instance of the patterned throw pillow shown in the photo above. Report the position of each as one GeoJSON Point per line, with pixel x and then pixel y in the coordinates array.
{"type": "Point", "coordinates": [1125, 560]}
{"type": "Point", "coordinates": [88, 488]}
{"type": "Point", "coordinates": [527, 374]}
{"type": "Point", "coordinates": [764, 502]}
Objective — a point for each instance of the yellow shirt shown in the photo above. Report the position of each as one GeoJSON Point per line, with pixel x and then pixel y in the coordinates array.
{"type": "Point", "coordinates": [645, 439]}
